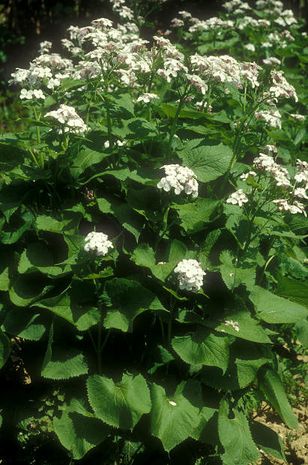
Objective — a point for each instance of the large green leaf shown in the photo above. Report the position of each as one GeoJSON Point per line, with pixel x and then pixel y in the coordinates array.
{"type": "Point", "coordinates": [294, 290]}
{"type": "Point", "coordinates": [272, 388]}
{"type": "Point", "coordinates": [195, 215]}
{"type": "Point", "coordinates": [234, 276]}
{"type": "Point", "coordinates": [119, 404]}
{"type": "Point", "coordinates": [62, 364]}
{"type": "Point", "coordinates": [174, 418]}
{"type": "Point", "coordinates": [235, 437]}
{"type": "Point", "coordinates": [203, 348]}
{"type": "Point", "coordinates": [242, 325]}
{"type": "Point", "coordinates": [77, 429]}
{"type": "Point", "coordinates": [128, 300]}
{"type": "Point", "coordinates": [208, 162]}
{"type": "Point", "coordinates": [268, 440]}
{"type": "Point", "coordinates": [86, 158]}
{"type": "Point", "coordinates": [274, 309]}
{"type": "Point", "coordinates": [80, 315]}
{"type": "Point", "coordinates": [245, 361]}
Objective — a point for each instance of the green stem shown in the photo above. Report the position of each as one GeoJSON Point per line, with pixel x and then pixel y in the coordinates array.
{"type": "Point", "coordinates": [177, 113]}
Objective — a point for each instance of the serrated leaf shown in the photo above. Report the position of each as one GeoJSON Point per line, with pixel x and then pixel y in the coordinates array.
{"type": "Point", "coordinates": [274, 309]}
{"type": "Point", "coordinates": [174, 418]}
{"type": "Point", "coordinates": [203, 348]}
{"type": "Point", "coordinates": [272, 388]}
{"type": "Point", "coordinates": [78, 431]}
{"type": "Point", "coordinates": [128, 300]}
{"type": "Point", "coordinates": [119, 404]}
{"type": "Point", "coordinates": [235, 437]}
{"type": "Point", "coordinates": [208, 162]}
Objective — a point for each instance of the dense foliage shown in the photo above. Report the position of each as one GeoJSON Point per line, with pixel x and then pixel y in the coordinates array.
{"type": "Point", "coordinates": [152, 238]}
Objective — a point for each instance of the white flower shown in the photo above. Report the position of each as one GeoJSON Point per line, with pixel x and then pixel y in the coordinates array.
{"type": "Point", "coordinates": [271, 61]}
{"type": "Point", "coordinates": [171, 402]}
{"type": "Point", "coordinates": [245, 176]}
{"type": "Point", "coordinates": [300, 192]}
{"type": "Point", "coordinates": [190, 275]}
{"type": "Point", "coordinates": [197, 82]}
{"type": "Point", "coordinates": [68, 117]}
{"type": "Point", "coordinates": [267, 163]}
{"type": "Point", "coordinates": [32, 94]}
{"type": "Point", "coordinates": [271, 117]}
{"type": "Point", "coordinates": [234, 324]}
{"type": "Point", "coordinates": [147, 97]}
{"type": "Point", "coordinates": [238, 198]}
{"type": "Point", "coordinates": [296, 207]}
{"type": "Point", "coordinates": [281, 88]}
{"type": "Point", "coordinates": [302, 171]}
{"type": "Point", "coordinates": [250, 47]}
{"type": "Point", "coordinates": [297, 116]}
{"type": "Point", "coordinates": [97, 242]}
{"type": "Point", "coordinates": [179, 178]}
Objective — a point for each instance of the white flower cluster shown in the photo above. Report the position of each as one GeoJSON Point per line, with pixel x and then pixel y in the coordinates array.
{"type": "Point", "coordinates": [180, 179]}
{"type": "Point", "coordinates": [147, 97]}
{"type": "Point", "coordinates": [271, 117]}
{"type": "Point", "coordinates": [233, 324]}
{"type": "Point", "coordinates": [69, 119]}
{"type": "Point", "coordinates": [296, 207]}
{"type": "Point", "coordinates": [190, 275]}
{"type": "Point", "coordinates": [36, 94]}
{"type": "Point", "coordinates": [226, 69]}
{"type": "Point", "coordinates": [238, 198]}
{"type": "Point", "coordinates": [209, 24]}
{"type": "Point", "coordinates": [267, 163]}
{"type": "Point", "coordinates": [298, 117]}
{"type": "Point", "coordinates": [302, 173]}
{"type": "Point", "coordinates": [280, 87]}
{"type": "Point", "coordinates": [97, 242]}
{"type": "Point", "coordinates": [271, 61]}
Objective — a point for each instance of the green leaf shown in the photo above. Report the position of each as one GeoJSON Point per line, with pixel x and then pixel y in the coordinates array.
{"type": "Point", "coordinates": [81, 315]}
{"type": "Point", "coordinates": [268, 440]}
{"type": "Point", "coordinates": [119, 404]}
{"type": "Point", "coordinates": [294, 290]}
{"type": "Point", "coordinates": [301, 329]}
{"type": "Point", "coordinates": [208, 162]}
{"type": "Point", "coordinates": [195, 215]}
{"type": "Point", "coordinates": [203, 348]}
{"type": "Point", "coordinates": [77, 429]}
{"type": "Point", "coordinates": [128, 300]}
{"type": "Point", "coordinates": [272, 388]}
{"type": "Point", "coordinates": [242, 325]}
{"type": "Point", "coordinates": [5, 348]}
{"type": "Point", "coordinates": [144, 255]}
{"type": "Point", "coordinates": [64, 364]}
{"type": "Point", "coordinates": [245, 361]}
{"type": "Point", "coordinates": [25, 324]}
{"type": "Point", "coordinates": [174, 418]}
{"type": "Point", "coordinates": [234, 276]}
{"type": "Point", "coordinates": [274, 309]}
{"type": "Point", "coordinates": [4, 280]}
{"type": "Point", "coordinates": [235, 437]}
{"type": "Point", "coordinates": [86, 158]}
{"type": "Point", "coordinates": [26, 289]}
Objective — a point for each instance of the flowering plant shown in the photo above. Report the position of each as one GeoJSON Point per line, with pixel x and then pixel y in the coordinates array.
{"type": "Point", "coordinates": [152, 223]}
